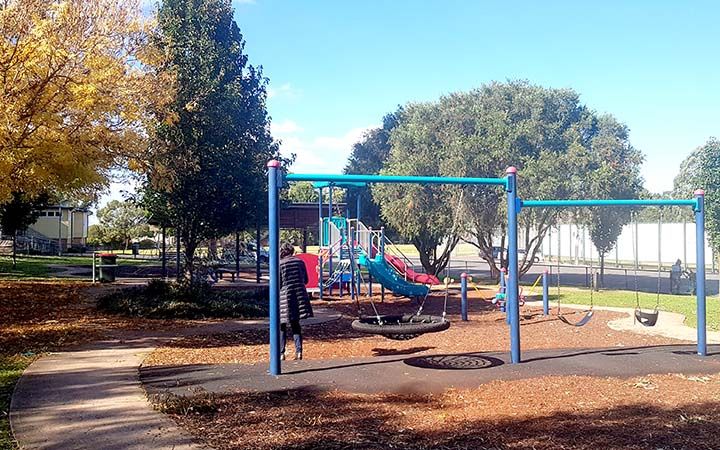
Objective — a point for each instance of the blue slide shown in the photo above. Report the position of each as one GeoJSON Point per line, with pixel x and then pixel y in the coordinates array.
{"type": "Point", "coordinates": [387, 276]}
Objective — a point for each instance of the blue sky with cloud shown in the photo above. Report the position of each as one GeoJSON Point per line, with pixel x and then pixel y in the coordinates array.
{"type": "Point", "coordinates": [336, 68]}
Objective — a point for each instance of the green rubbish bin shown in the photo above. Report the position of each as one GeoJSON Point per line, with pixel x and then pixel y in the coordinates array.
{"type": "Point", "coordinates": [108, 264]}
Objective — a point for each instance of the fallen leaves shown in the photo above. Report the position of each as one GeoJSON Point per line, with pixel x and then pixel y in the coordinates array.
{"type": "Point", "coordinates": [38, 316]}
{"type": "Point", "coordinates": [502, 414]}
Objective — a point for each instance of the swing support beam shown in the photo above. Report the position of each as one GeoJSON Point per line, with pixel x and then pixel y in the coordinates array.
{"type": "Point", "coordinates": [276, 180]}
{"type": "Point", "coordinates": [698, 205]}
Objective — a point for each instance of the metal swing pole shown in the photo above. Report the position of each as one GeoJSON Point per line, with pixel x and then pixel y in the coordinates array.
{"type": "Point", "coordinates": [274, 173]}
{"type": "Point", "coordinates": [700, 272]}
{"type": "Point", "coordinates": [511, 292]}
{"type": "Point", "coordinates": [330, 256]}
{"type": "Point", "coordinates": [321, 237]}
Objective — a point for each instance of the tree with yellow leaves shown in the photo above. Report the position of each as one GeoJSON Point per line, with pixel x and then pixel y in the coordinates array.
{"type": "Point", "coordinates": [75, 93]}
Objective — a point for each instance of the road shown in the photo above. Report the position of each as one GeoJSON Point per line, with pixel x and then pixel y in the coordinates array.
{"type": "Point", "coordinates": [579, 276]}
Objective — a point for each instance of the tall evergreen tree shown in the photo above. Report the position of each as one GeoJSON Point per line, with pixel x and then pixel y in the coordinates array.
{"type": "Point", "coordinates": [18, 214]}
{"type": "Point", "coordinates": [207, 164]}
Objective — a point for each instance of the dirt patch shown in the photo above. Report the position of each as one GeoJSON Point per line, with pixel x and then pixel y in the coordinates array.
{"type": "Point", "coordinates": [486, 330]}
{"type": "Point", "coordinates": [661, 411]}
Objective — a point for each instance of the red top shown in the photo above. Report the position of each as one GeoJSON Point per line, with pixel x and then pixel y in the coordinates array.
{"type": "Point", "coordinates": [273, 163]}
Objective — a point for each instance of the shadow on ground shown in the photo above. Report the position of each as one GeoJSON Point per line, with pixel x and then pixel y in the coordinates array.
{"type": "Point", "coordinates": [309, 419]}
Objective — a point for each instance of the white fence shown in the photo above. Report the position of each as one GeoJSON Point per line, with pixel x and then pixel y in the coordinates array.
{"type": "Point", "coordinates": [667, 243]}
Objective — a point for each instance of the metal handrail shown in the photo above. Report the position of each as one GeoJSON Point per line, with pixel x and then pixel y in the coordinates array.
{"type": "Point", "coordinates": [364, 234]}
{"type": "Point", "coordinates": [396, 248]}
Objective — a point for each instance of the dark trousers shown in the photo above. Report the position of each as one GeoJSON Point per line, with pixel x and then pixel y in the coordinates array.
{"type": "Point", "coordinates": [297, 335]}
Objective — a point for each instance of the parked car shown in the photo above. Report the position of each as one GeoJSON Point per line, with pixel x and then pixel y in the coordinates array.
{"type": "Point", "coordinates": [264, 255]}
{"type": "Point", "coordinates": [521, 253]}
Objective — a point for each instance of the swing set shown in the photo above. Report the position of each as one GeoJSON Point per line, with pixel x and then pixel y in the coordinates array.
{"type": "Point", "coordinates": [647, 318]}
{"type": "Point", "coordinates": [277, 178]}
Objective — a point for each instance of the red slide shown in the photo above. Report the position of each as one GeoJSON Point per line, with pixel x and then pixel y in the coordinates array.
{"type": "Point", "coordinates": [400, 266]}
{"type": "Point", "coordinates": [311, 264]}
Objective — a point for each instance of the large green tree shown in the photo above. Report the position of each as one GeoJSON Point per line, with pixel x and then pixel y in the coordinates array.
{"type": "Point", "coordinates": [612, 168]}
{"type": "Point", "coordinates": [304, 192]}
{"type": "Point", "coordinates": [207, 175]}
{"type": "Point", "coordinates": [702, 170]}
{"type": "Point", "coordinates": [551, 137]}
{"type": "Point", "coordinates": [368, 157]}
{"type": "Point", "coordinates": [18, 214]}
{"type": "Point", "coordinates": [119, 223]}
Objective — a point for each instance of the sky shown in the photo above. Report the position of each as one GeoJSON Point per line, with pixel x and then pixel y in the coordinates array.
{"type": "Point", "coordinates": [336, 67]}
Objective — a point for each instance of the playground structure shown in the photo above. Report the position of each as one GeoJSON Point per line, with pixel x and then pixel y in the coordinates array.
{"type": "Point", "coordinates": [348, 248]}
{"type": "Point", "coordinates": [276, 177]}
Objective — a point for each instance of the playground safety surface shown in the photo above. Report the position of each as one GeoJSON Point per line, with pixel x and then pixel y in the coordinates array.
{"type": "Point", "coordinates": [578, 388]}
{"type": "Point", "coordinates": [431, 373]}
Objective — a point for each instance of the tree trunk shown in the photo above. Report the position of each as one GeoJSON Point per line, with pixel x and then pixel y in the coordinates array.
{"type": "Point", "coordinates": [14, 251]}
{"type": "Point", "coordinates": [485, 246]}
{"type": "Point", "coordinates": [189, 255]}
{"type": "Point", "coordinates": [237, 253]}
{"type": "Point", "coordinates": [164, 254]}
{"type": "Point", "coordinates": [602, 271]}
{"type": "Point", "coordinates": [178, 274]}
{"type": "Point", "coordinates": [257, 253]}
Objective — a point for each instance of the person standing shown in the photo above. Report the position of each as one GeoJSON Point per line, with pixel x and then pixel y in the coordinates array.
{"type": "Point", "coordinates": [294, 299]}
{"type": "Point", "coordinates": [675, 272]}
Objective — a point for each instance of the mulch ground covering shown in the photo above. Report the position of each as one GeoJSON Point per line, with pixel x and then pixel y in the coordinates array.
{"type": "Point", "coordinates": [668, 411]}
{"type": "Point", "coordinates": [486, 331]}
{"type": "Point", "coordinates": [656, 412]}
{"type": "Point", "coordinates": [45, 316]}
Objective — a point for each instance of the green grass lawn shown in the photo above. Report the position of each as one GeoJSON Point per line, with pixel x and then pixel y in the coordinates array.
{"type": "Point", "coordinates": [683, 304]}
{"type": "Point", "coordinates": [38, 266]}
{"type": "Point", "coordinates": [29, 267]}
{"type": "Point", "coordinates": [11, 367]}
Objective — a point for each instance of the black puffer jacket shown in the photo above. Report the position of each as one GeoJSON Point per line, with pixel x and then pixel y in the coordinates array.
{"type": "Point", "coordinates": [294, 300]}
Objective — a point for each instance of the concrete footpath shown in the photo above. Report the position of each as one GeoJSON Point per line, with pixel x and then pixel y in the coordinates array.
{"type": "Point", "coordinates": [669, 324]}
{"type": "Point", "coordinates": [92, 398]}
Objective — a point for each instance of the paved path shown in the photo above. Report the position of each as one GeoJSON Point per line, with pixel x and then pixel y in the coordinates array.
{"type": "Point", "coordinates": [669, 324]}
{"type": "Point", "coordinates": [92, 398]}
{"type": "Point", "coordinates": [578, 276]}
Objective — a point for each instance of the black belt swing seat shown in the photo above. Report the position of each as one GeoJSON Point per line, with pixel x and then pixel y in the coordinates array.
{"type": "Point", "coordinates": [586, 318]}
{"type": "Point", "coordinates": [588, 313]}
{"type": "Point", "coordinates": [647, 319]}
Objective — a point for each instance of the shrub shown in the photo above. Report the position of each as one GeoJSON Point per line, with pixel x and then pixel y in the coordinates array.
{"type": "Point", "coordinates": [163, 300]}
